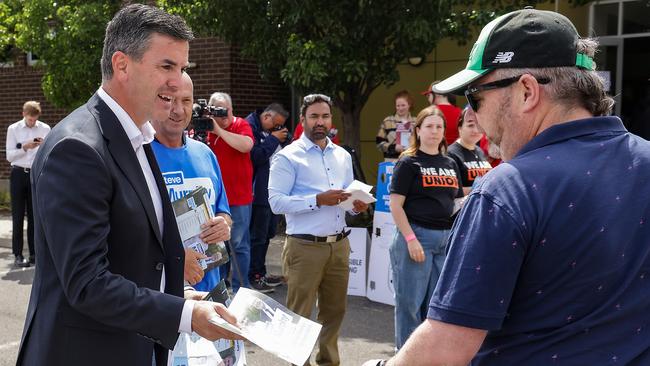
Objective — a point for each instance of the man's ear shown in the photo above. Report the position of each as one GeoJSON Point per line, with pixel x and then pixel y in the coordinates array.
{"type": "Point", "coordinates": [120, 62]}
{"type": "Point", "coordinates": [531, 92]}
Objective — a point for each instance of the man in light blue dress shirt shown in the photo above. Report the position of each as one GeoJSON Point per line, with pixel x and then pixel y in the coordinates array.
{"type": "Point", "coordinates": [306, 185]}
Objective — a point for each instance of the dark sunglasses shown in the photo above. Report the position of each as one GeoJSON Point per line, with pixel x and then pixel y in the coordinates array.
{"type": "Point", "coordinates": [473, 90]}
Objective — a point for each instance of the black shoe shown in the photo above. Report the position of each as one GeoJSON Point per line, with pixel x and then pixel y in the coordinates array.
{"type": "Point", "coordinates": [273, 280]}
{"type": "Point", "coordinates": [261, 286]}
{"type": "Point", "coordinates": [21, 262]}
{"type": "Point", "coordinates": [32, 260]}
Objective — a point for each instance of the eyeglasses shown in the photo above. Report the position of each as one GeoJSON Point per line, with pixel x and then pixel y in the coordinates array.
{"type": "Point", "coordinates": [473, 90]}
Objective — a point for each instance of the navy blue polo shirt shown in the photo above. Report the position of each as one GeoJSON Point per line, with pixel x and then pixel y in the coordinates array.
{"type": "Point", "coordinates": [551, 253]}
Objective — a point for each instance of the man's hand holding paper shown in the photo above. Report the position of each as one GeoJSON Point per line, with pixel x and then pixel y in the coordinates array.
{"type": "Point", "coordinates": [203, 312]}
{"type": "Point", "coordinates": [359, 197]}
{"type": "Point", "coordinates": [214, 230]}
{"type": "Point", "coordinates": [332, 197]}
{"type": "Point", "coordinates": [192, 271]}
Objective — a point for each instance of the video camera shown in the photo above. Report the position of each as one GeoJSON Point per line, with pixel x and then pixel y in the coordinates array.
{"type": "Point", "coordinates": [201, 120]}
{"type": "Point", "coordinates": [289, 137]}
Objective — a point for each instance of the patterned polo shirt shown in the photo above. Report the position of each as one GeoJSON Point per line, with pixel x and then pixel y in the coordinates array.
{"type": "Point", "coordinates": [551, 253]}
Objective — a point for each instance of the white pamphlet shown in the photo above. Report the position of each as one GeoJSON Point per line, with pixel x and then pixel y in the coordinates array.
{"type": "Point", "coordinates": [359, 191]}
{"type": "Point", "coordinates": [271, 326]}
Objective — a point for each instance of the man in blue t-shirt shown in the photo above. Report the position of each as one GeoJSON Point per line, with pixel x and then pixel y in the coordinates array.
{"type": "Point", "coordinates": [549, 261]}
{"type": "Point", "coordinates": [185, 165]}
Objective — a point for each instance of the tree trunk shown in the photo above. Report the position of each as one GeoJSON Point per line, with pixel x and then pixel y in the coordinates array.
{"type": "Point", "coordinates": [350, 107]}
{"type": "Point", "coordinates": [351, 128]}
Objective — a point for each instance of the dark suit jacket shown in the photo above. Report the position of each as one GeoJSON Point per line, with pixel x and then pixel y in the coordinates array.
{"type": "Point", "coordinates": [99, 253]}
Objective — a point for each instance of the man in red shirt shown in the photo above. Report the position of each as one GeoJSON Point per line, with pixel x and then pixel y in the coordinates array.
{"type": "Point", "coordinates": [451, 112]}
{"type": "Point", "coordinates": [231, 140]}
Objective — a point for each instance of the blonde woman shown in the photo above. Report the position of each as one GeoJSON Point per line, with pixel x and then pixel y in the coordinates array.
{"type": "Point", "coordinates": [423, 188]}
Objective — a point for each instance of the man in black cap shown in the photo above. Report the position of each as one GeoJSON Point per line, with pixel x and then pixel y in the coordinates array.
{"type": "Point", "coordinates": [549, 259]}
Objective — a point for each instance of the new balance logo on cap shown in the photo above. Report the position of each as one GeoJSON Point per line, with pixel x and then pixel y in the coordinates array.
{"type": "Point", "coordinates": [537, 38]}
{"type": "Point", "coordinates": [503, 57]}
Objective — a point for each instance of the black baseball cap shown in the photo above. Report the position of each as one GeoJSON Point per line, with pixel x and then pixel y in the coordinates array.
{"type": "Point", "coordinates": [526, 38]}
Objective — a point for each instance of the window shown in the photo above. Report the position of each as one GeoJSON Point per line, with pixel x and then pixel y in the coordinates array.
{"type": "Point", "coordinates": [636, 17]}
{"type": "Point", "coordinates": [606, 19]}
{"type": "Point", "coordinates": [620, 18]}
{"type": "Point", "coordinates": [32, 59]}
{"type": "Point", "coordinates": [7, 56]}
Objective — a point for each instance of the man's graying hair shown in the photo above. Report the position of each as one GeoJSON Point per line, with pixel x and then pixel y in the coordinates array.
{"type": "Point", "coordinates": [277, 108]}
{"type": "Point", "coordinates": [130, 31]}
{"type": "Point", "coordinates": [220, 97]}
{"type": "Point", "coordinates": [571, 86]}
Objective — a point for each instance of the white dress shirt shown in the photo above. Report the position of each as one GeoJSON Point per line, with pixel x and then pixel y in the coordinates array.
{"type": "Point", "coordinates": [138, 137]}
{"type": "Point", "coordinates": [298, 173]}
{"type": "Point", "coordinates": [19, 133]}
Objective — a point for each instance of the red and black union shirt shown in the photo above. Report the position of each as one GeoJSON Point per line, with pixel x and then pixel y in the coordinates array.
{"type": "Point", "coordinates": [471, 163]}
{"type": "Point", "coordinates": [430, 184]}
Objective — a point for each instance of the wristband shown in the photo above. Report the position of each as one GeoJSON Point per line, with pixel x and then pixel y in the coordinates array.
{"type": "Point", "coordinates": [410, 237]}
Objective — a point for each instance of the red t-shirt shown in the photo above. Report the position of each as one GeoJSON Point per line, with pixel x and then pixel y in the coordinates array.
{"type": "Point", "coordinates": [236, 167]}
{"type": "Point", "coordinates": [451, 113]}
{"type": "Point", "coordinates": [485, 145]}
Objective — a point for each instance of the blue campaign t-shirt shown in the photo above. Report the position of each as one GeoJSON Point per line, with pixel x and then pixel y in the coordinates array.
{"type": "Point", "coordinates": [186, 168]}
{"type": "Point", "coordinates": [551, 253]}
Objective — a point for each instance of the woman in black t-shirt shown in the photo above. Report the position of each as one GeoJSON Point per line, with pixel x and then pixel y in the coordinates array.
{"type": "Point", "coordinates": [423, 189]}
{"type": "Point", "coordinates": [471, 160]}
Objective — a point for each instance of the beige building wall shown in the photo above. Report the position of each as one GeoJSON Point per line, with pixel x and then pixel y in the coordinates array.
{"type": "Point", "coordinates": [445, 60]}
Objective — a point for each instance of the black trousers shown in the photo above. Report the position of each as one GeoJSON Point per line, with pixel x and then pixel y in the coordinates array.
{"type": "Point", "coordinates": [21, 199]}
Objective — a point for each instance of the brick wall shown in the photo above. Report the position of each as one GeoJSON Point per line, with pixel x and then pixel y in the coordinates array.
{"type": "Point", "coordinates": [219, 67]}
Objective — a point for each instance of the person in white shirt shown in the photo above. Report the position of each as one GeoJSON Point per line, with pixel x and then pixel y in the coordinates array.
{"type": "Point", "coordinates": [23, 139]}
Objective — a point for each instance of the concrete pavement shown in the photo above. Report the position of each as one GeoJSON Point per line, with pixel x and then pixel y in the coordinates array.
{"type": "Point", "coordinates": [367, 329]}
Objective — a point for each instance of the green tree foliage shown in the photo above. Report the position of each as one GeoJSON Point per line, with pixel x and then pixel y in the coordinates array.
{"type": "Point", "coordinates": [345, 48]}
{"type": "Point", "coordinates": [66, 36]}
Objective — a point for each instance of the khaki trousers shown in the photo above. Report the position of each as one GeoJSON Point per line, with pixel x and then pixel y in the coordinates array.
{"type": "Point", "coordinates": [318, 271]}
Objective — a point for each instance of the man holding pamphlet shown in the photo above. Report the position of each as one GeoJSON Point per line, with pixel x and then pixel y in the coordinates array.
{"type": "Point", "coordinates": [185, 165]}
{"type": "Point", "coordinates": [306, 185]}
{"type": "Point", "coordinates": [109, 282]}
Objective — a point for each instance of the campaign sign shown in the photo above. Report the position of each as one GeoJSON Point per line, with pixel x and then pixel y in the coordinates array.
{"type": "Point", "coordinates": [358, 245]}
{"type": "Point", "coordinates": [384, 175]}
{"type": "Point", "coordinates": [380, 283]}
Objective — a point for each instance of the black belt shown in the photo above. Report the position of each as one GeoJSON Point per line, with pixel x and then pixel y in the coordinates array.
{"type": "Point", "coordinates": [322, 239]}
{"type": "Point", "coordinates": [24, 170]}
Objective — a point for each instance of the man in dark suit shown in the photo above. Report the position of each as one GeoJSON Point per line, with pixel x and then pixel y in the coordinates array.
{"type": "Point", "coordinates": [108, 287]}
